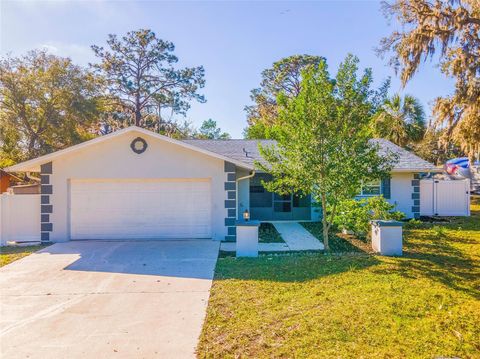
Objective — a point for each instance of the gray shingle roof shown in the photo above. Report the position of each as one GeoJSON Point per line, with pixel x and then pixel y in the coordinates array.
{"type": "Point", "coordinates": [235, 149]}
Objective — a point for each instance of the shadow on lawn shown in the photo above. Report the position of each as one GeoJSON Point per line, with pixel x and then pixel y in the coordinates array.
{"type": "Point", "coordinates": [295, 267]}
{"type": "Point", "coordinates": [450, 258]}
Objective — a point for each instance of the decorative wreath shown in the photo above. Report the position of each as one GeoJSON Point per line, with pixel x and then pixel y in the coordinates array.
{"type": "Point", "coordinates": [138, 145]}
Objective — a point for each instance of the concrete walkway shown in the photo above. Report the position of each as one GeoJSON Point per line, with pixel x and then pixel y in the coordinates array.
{"type": "Point", "coordinates": [111, 299]}
{"type": "Point", "coordinates": [297, 237]}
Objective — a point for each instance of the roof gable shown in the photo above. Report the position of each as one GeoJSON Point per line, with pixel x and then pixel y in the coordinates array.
{"type": "Point", "coordinates": [33, 165]}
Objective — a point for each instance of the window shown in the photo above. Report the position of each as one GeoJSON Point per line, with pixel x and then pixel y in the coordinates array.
{"type": "Point", "coordinates": [371, 188]}
{"type": "Point", "coordinates": [257, 189]}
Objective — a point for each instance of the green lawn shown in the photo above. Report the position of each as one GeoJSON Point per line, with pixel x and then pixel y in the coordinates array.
{"type": "Point", "coordinates": [425, 304]}
{"type": "Point", "coordinates": [267, 233]}
{"type": "Point", "coordinates": [11, 254]}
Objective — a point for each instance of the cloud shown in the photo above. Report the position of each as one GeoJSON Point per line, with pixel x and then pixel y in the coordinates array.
{"type": "Point", "coordinates": [81, 54]}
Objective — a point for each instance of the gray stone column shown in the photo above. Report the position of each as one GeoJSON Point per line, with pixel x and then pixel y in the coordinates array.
{"type": "Point", "coordinates": [416, 195]}
{"type": "Point", "coordinates": [230, 187]}
{"type": "Point", "coordinates": [46, 207]}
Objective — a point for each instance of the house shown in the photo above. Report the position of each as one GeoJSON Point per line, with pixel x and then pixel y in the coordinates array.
{"type": "Point", "coordinates": [137, 184]}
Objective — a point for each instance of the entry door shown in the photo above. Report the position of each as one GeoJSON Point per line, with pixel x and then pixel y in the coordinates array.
{"type": "Point", "coordinates": [140, 209]}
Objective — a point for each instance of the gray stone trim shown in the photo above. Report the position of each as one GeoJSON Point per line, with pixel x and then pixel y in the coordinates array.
{"type": "Point", "coordinates": [230, 186]}
{"type": "Point", "coordinates": [229, 222]}
{"type": "Point", "coordinates": [46, 168]}
{"type": "Point", "coordinates": [46, 227]}
{"type": "Point", "coordinates": [416, 195]}
{"type": "Point", "coordinates": [46, 208]}
{"type": "Point", "coordinates": [230, 203]}
{"type": "Point", "coordinates": [229, 167]}
{"type": "Point", "coordinates": [46, 189]}
{"type": "Point", "coordinates": [230, 238]}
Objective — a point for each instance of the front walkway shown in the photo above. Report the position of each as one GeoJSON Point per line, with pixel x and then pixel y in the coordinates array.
{"type": "Point", "coordinates": [297, 237]}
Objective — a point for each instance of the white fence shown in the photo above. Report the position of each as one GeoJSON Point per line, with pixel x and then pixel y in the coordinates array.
{"type": "Point", "coordinates": [444, 197]}
{"type": "Point", "coordinates": [19, 218]}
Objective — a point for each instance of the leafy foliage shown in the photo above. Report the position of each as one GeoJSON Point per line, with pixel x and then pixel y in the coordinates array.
{"type": "Point", "coordinates": [430, 148]}
{"type": "Point", "coordinates": [284, 77]}
{"type": "Point", "coordinates": [47, 103]}
{"type": "Point", "coordinates": [451, 30]}
{"type": "Point", "coordinates": [209, 131]}
{"type": "Point", "coordinates": [142, 80]}
{"type": "Point", "coordinates": [401, 121]}
{"type": "Point", "coordinates": [355, 215]}
{"type": "Point", "coordinates": [323, 135]}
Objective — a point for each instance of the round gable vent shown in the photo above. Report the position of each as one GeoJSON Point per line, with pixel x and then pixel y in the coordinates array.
{"type": "Point", "coordinates": [138, 145]}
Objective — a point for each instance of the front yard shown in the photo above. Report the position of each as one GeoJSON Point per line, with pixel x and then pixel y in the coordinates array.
{"type": "Point", "coordinates": [425, 304]}
{"type": "Point", "coordinates": [11, 254]}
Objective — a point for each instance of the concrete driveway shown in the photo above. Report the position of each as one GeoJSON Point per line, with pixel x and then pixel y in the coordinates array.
{"type": "Point", "coordinates": [107, 299]}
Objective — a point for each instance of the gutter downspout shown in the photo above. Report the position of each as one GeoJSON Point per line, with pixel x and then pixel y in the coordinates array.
{"type": "Point", "coordinates": [252, 173]}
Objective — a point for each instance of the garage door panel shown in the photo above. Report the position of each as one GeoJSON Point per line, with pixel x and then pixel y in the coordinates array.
{"type": "Point", "coordinates": [140, 209]}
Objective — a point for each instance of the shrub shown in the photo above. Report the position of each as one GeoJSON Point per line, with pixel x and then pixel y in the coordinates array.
{"type": "Point", "coordinates": [355, 215]}
{"type": "Point", "coordinates": [439, 231]}
{"type": "Point", "coordinates": [414, 223]}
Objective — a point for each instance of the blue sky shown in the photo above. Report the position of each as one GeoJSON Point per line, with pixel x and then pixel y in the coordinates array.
{"type": "Point", "coordinates": [234, 41]}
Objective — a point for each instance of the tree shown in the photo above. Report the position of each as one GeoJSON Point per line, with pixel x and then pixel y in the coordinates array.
{"type": "Point", "coordinates": [140, 75]}
{"type": "Point", "coordinates": [209, 131]}
{"type": "Point", "coordinates": [284, 76]}
{"type": "Point", "coordinates": [47, 103]}
{"type": "Point", "coordinates": [323, 135]}
{"type": "Point", "coordinates": [430, 149]}
{"type": "Point", "coordinates": [401, 121]}
{"type": "Point", "coordinates": [451, 30]}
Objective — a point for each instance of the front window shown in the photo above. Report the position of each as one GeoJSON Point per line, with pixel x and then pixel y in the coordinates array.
{"type": "Point", "coordinates": [372, 188]}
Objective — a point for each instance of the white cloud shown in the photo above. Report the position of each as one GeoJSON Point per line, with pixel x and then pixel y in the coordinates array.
{"type": "Point", "coordinates": [80, 54]}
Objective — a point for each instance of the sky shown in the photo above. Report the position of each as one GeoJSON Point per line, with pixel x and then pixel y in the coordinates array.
{"type": "Point", "coordinates": [234, 41]}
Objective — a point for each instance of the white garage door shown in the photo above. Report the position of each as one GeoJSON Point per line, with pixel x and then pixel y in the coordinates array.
{"type": "Point", "coordinates": [138, 209]}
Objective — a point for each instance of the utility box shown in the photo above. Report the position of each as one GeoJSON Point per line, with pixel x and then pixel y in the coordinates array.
{"type": "Point", "coordinates": [387, 237]}
{"type": "Point", "coordinates": [247, 238]}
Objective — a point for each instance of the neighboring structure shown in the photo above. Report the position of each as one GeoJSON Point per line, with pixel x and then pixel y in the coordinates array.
{"type": "Point", "coordinates": [136, 184]}
{"type": "Point", "coordinates": [5, 179]}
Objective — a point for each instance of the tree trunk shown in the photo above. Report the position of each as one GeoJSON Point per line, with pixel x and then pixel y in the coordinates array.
{"type": "Point", "coordinates": [138, 113]}
{"type": "Point", "coordinates": [325, 222]}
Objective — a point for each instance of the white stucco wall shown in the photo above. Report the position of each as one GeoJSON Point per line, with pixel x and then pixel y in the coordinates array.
{"type": "Point", "coordinates": [114, 159]}
{"type": "Point", "coordinates": [401, 192]}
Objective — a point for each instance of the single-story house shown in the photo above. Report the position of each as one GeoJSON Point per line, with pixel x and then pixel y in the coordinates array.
{"type": "Point", "coordinates": [137, 184]}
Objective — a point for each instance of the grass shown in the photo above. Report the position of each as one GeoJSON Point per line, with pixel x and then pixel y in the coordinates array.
{"type": "Point", "coordinates": [425, 304]}
{"type": "Point", "coordinates": [267, 233]}
{"type": "Point", "coordinates": [339, 243]}
{"type": "Point", "coordinates": [10, 254]}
